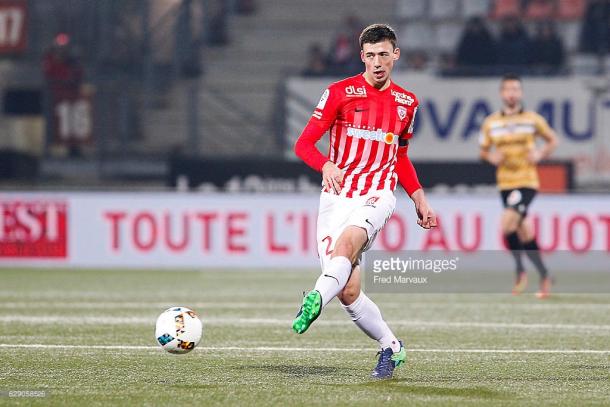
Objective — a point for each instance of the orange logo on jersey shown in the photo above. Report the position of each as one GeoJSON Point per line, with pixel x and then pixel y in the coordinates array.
{"type": "Point", "coordinates": [389, 138]}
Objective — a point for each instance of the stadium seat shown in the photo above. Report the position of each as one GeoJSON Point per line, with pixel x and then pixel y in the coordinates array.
{"type": "Point", "coordinates": [472, 8]}
{"type": "Point", "coordinates": [416, 36]}
{"type": "Point", "coordinates": [571, 9]}
{"type": "Point", "coordinates": [411, 9]}
{"type": "Point", "coordinates": [444, 9]}
{"type": "Point", "coordinates": [540, 10]}
{"type": "Point", "coordinates": [506, 8]}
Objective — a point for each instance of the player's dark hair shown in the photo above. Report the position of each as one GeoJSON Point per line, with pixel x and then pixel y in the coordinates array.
{"type": "Point", "coordinates": [375, 33]}
{"type": "Point", "coordinates": [511, 77]}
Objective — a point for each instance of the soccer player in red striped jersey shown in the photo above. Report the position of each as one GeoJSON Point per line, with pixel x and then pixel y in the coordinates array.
{"type": "Point", "coordinates": [370, 121]}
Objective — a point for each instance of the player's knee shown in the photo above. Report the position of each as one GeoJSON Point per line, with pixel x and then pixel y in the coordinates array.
{"type": "Point", "coordinates": [510, 221]}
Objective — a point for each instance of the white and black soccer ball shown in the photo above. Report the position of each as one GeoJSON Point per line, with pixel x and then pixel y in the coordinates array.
{"type": "Point", "coordinates": [178, 330]}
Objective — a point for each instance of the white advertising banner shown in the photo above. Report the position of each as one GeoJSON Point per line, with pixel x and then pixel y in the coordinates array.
{"type": "Point", "coordinates": [172, 230]}
{"type": "Point", "coordinates": [452, 110]}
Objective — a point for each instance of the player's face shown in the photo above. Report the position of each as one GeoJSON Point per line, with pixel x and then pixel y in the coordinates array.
{"type": "Point", "coordinates": [511, 93]}
{"type": "Point", "coordinates": [379, 60]}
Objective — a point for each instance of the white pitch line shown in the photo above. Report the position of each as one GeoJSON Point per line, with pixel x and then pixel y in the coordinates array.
{"type": "Point", "coordinates": [135, 320]}
{"type": "Point", "coordinates": [202, 306]}
{"type": "Point", "coordinates": [298, 349]}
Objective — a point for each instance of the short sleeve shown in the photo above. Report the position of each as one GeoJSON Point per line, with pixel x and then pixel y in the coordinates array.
{"type": "Point", "coordinates": [542, 126]}
{"type": "Point", "coordinates": [484, 136]}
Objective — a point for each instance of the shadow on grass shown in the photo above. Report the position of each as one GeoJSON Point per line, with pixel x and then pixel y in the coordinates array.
{"type": "Point", "coordinates": [296, 371]}
{"type": "Point", "coordinates": [405, 386]}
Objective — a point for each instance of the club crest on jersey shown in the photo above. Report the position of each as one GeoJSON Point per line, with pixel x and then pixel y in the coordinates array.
{"type": "Point", "coordinates": [402, 112]}
{"type": "Point", "coordinates": [403, 98]}
{"type": "Point", "coordinates": [352, 91]}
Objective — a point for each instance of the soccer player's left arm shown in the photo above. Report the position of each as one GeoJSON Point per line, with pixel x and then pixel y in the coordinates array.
{"type": "Point", "coordinates": [407, 177]}
{"type": "Point", "coordinates": [549, 136]}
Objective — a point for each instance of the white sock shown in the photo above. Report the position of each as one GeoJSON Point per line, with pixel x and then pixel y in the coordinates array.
{"type": "Point", "coordinates": [366, 315]}
{"type": "Point", "coordinates": [333, 278]}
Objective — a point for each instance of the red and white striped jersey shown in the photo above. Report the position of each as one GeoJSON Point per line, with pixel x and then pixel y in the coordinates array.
{"type": "Point", "coordinates": [365, 125]}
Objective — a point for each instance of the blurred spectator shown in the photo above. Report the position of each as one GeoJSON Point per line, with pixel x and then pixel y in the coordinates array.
{"type": "Point", "coordinates": [571, 9]}
{"type": "Point", "coordinates": [344, 55]}
{"type": "Point", "coordinates": [62, 70]}
{"type": "Point", "coordinates": [477, 47]}
{"type": "Point", "coordinates": [506, 8]}
{"type": "Point", "coordinates": [316, 62]}
{"type": "Point", "coordinates": [540, 9]}
{"type": "Point", "coordinates": [513, 45]}
{"type": "Point", "coordinates": [217, 32]}
{"type": "Point", "coordinates": [547, 52]}
{"type": "Point", "coordinates": [595, 34]}
{"type": "Point", "coordinates": [63, 74]}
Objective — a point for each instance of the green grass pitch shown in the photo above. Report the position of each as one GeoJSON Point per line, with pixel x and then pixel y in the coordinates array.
{"type": "Point", "coordinates": [86, 338]}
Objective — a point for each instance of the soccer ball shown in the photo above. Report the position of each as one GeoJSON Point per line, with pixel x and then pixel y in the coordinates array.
{"type": "Point", "coordinates": [178, 330]}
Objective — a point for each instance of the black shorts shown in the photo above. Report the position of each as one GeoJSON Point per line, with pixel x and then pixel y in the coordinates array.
{"type": "Point", "coordinates": [518, 199]}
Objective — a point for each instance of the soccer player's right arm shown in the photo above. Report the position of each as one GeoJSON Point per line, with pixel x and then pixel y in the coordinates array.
{"type": "Point", "coordinates": [485, 144]}
{"type": "Point", "coordinates": [484, 141]}
{"type": "Point", "coordinates": [321, 120]}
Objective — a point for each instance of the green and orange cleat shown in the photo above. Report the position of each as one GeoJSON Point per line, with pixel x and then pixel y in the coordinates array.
{"type": "Point", "coordinates": [388, 361]}
{"type": "Point", "coordinates": [545, 289]}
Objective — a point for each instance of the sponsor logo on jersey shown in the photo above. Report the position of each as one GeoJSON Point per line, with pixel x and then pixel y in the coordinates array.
{"type": "Point", "coordinates": [403, 98]}
{"type": "Point", "coordinates": [402, 112]}
{"type": "Point", "coordinates": [374, 135]}
{"type": "Point", "coordinates": [352, 91]}
{"type": "Point", "coordinates": [323, 100]}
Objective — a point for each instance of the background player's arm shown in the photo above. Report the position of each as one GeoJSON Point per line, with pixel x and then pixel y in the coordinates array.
{"type": "Point", "coordinates": [494, 157]}
{"type": "Point", "coordinates": [550, 142]}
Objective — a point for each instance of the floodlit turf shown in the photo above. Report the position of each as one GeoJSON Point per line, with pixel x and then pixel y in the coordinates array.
{"type": "Point", "coordinates": [86, 338]}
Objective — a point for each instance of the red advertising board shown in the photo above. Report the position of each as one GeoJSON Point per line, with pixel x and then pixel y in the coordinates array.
{"type": "Point", "coordinates": [13, 26]}
{"type": "Point", "coordinates": [33, 229]}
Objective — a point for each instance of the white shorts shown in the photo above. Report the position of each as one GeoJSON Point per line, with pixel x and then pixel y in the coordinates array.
{"type": "Point", "coordinates": [370, 212]}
